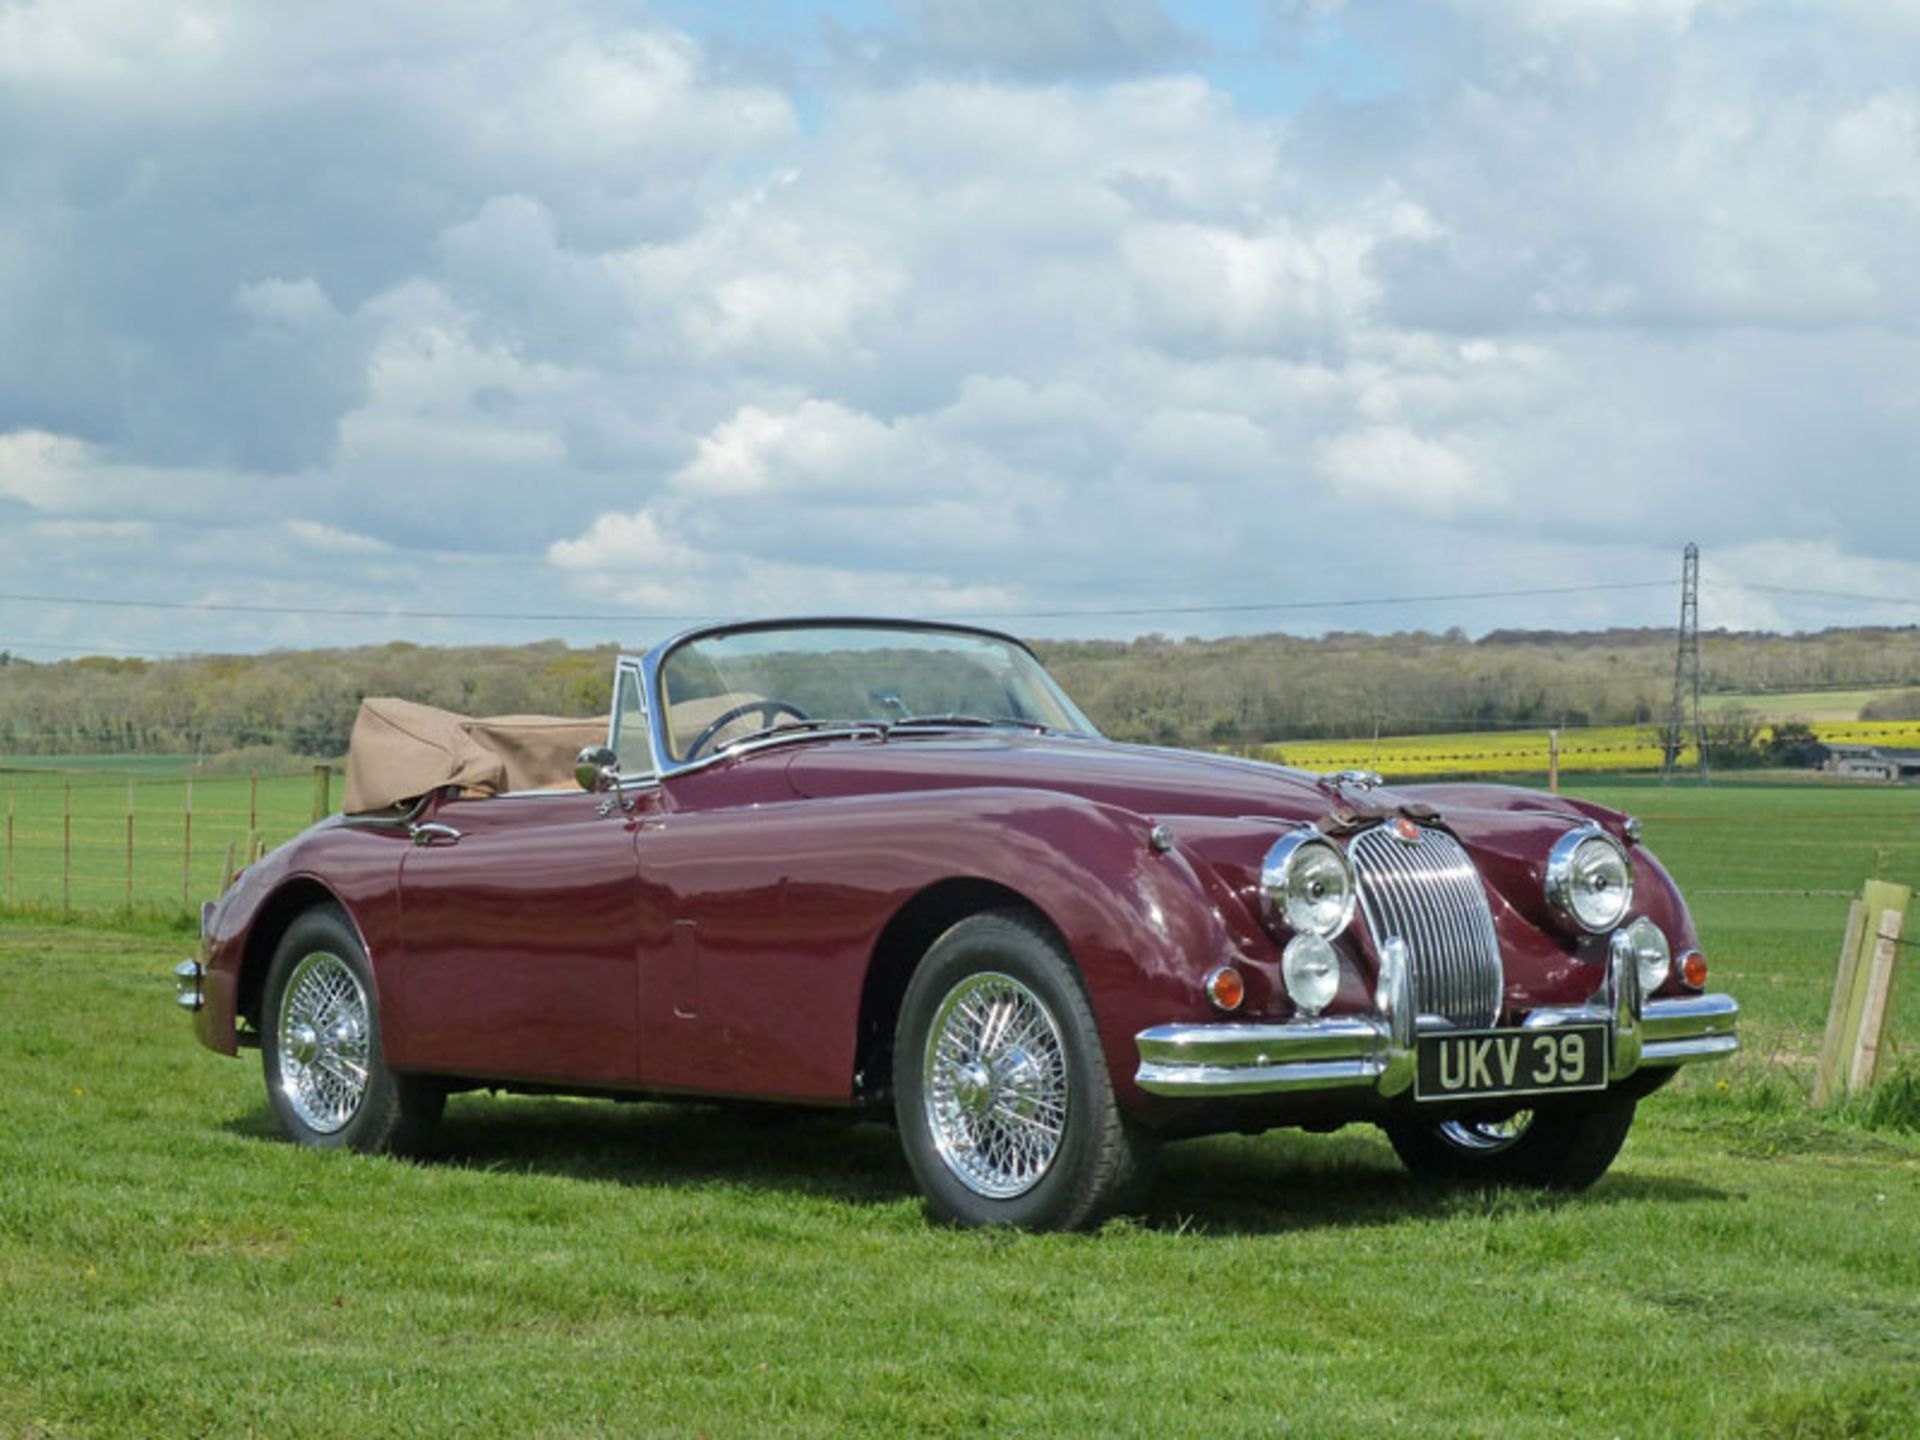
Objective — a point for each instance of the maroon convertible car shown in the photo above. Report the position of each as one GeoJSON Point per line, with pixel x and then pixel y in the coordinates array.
{"type": "Point", "coordinates": [872, 863]}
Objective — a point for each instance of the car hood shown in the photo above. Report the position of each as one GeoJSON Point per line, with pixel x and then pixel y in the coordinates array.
{"type": "Point", "coordinates": [1508, 828]}
{"type": "Point", "coordinates": [1140, 778]}
{"type": "Point", "coordinates": [1224, 813]}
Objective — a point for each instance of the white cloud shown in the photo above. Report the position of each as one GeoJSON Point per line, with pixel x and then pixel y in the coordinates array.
{"type": "Point", "coordinates": [816, 445]}
{"type": "Point", "coordinates": [1021, 311]}
{"type": "Point", "coordinates": [328, 540]}
{"type": "Point", "coordinates": [1392, 464]}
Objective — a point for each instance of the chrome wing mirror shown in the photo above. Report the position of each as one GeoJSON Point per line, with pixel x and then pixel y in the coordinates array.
{"type": "Point", "coordinates": [596, 769]}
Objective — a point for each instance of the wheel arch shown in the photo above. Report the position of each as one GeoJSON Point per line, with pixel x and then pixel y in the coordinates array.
{"type": "Point", "coordinates": [270, 923]}
{"type": "Point", "coordinates": [902, 944]}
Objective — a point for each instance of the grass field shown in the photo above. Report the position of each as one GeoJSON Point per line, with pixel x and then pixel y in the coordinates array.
{"type": "Point", "coordinates": [157, 767]}
{"type": "Point", "coordinates": [1824, 705]}
{"type": "Point", "coordinates": [1749, 1268]}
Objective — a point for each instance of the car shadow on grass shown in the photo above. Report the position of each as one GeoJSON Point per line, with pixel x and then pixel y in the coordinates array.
{"type": "Point", "coordinates": [1224, 1186]}
{"type": "Point", "coordinates": [835, 1155]}
{"type": "Point", "coordinates": [1289, 1181]}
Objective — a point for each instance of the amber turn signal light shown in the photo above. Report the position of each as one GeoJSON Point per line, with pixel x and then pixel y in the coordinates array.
{"type": "Point", "coordinates": [1226, 989]}
{"type": "Point", "coordinates": [1693, 970]}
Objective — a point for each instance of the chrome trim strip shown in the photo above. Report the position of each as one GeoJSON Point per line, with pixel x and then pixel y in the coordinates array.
{"type": "Point", "coordinates": [852, 730]}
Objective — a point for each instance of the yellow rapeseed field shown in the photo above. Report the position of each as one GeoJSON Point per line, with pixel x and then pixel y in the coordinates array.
{"type": "Point", "coordinates": [1618, 747]}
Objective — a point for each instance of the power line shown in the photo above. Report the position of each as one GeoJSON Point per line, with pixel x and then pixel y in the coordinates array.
{"type": "Point", "coordinates": [225, 608]}
{"type": "Point", "coordinates": [1265, 605]}
{"type": "Point", "coordinates": [1832, 594]}
{"type": "Point", "coordinates": [609, 617]}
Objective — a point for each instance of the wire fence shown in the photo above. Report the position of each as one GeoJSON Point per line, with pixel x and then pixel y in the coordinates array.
{"type": "Point", "coordinates": [92, 843]}
{"type": "Point", "coordinates": [161, 840]}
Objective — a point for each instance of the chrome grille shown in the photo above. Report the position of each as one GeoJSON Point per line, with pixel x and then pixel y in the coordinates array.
{"type": "Point", "coordinates": [1428, 893]}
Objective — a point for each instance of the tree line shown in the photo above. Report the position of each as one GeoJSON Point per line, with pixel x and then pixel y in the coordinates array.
{"type": "Point", "coordinates": [1242, 690]}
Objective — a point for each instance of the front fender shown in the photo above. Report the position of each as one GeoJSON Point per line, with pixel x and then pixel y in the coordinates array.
{"type": "Point", "coordinates": [354, 868]}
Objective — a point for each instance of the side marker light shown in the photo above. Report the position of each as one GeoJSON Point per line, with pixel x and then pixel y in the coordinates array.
{"type": "Point", "coordinates": [1226, 989]}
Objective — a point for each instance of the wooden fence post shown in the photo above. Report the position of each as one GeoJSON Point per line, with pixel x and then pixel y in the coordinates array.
{"type": "Point", "coordinates": [1553, 761]}
{"type": "Point", "coordinates": [253, 800]}
{"type": "Point", "coordinates": [1826, 1076]}
{"type": "Point", "coordinates": [129, 843]}
{"type": "Point", "coordinates": [1862, 991]}
{"type": "Point", "coordinates": [322, 792]}
{"type": "Point", "coordinates": [9, 847]}
{"type": "Point", "coordinates": [186, 852]}
{"type": "Point", "coordinates": [1879, 998]}
{"type": "Point", "coordinates": [66, 847]}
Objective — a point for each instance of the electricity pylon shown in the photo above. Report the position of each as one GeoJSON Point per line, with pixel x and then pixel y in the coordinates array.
{"type": "Point", "coordinates": [1684, 720]}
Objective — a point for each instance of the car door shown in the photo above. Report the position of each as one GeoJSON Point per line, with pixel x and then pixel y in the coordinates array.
{"type": "Point", "coordinates": [521, 923]}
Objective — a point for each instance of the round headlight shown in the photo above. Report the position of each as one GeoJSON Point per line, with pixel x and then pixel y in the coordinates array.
{"type": "Point", "coordinates": [1311, 968]}
{"type": "Point", "coordinates": [1590, 878]}
{"type": "Point", "coordinates": [1307, 885]}
{"type": "Point", "coordinates": [1651, 954]}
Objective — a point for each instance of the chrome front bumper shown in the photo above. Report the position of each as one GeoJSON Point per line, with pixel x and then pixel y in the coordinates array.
{"type": "Point", "coordinates": [187, 977]}
{"type": "Point", "coordinates": [1377, 1051]}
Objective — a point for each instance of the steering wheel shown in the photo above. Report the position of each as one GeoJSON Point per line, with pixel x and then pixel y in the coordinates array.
{"type": "Point", "coordinates": [766, 709]}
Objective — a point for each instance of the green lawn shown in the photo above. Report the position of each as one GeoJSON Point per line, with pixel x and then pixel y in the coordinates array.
{"type": "Point", "coordinates": [169, 767]}
{"type": "Point", "coordinates": [168, 1267]}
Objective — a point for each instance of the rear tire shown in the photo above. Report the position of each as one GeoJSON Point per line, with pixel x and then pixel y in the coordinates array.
{"type": "Point", "coordinates": [1565, 1148]}
{"type": "Point", "coordinates": [1001, 1092]}
{"type": "Point", "coordinates": [320, 1047]}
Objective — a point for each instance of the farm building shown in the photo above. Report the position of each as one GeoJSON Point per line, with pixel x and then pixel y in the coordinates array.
{"type": "Point", "coordinates": [1871, 762]}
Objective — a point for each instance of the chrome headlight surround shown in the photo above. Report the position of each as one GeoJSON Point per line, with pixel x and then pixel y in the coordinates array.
{"type": "Point", "coordinates": [1590, 878]}
{"type": "Point", "coordinates": [1308, 886]}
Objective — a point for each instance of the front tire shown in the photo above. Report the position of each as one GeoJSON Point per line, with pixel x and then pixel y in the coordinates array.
{"type": "Point", "coordinates": [1001, 1092]}
{"type": "Point", "coordinates": [1565, 1148]}
{"type": "Point", "coordinates": [320, 1047]}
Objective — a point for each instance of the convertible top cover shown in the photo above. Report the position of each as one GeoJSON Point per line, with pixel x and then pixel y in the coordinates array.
{"type": "Point", "coordinates": [400, 750]}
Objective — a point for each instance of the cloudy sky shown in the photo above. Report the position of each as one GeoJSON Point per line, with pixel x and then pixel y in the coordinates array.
{"type": "Point", "coordinates": [1094, 318]}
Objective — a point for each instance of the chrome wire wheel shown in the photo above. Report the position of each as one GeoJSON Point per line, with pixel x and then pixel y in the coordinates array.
{"type": "Point", "coordinates": [1487, 1137]}
{"type": "Point", "coordinates": [324, 1035]}
{"type": "Point", "coordinates": [996, 1088]}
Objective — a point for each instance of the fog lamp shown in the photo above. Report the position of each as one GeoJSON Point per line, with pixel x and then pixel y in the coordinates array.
{"type": "Point", "coordinates": [1310, 966]}
{"type": "Point", "coordinates": [1651, 954]}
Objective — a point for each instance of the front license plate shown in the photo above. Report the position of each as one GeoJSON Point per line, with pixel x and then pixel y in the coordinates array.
{"type": "Point", "coordinates": [1463, 1064]}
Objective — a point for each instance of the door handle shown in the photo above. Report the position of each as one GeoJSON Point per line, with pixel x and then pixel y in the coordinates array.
{"type": "Point", "coordinates": [432, 832]}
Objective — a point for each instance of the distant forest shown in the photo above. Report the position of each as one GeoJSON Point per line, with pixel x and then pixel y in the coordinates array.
{"type": "Point", "coordinates": [1242, 690]}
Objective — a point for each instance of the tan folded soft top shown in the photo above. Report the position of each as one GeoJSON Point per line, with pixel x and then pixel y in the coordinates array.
{"type": "Point", "coordinates": [400, 750]}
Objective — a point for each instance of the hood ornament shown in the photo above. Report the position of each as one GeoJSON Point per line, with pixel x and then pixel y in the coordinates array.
{"type": "Point", "coordinates": [1358, 779]}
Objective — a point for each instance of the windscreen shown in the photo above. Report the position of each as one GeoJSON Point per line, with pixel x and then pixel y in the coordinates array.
{"type": "Point", "coordinates": [753, 679]}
